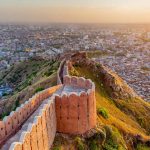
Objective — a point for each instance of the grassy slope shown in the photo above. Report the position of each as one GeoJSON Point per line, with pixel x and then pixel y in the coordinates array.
{"type": "Point", "coordinates": [95, 54]}
{"type": "Point", "coordinates": [117, 117]}
{"type": "Point", "coordinates": [136, 108]}
{"type": "Point", "coordinates": [27, 77]}
{"type": "Point", "coordinates": [120, 128]}
{"type": "Point", "coordinates": [123, 114]}
{"type": "Point", "coordinates": [26, 73]}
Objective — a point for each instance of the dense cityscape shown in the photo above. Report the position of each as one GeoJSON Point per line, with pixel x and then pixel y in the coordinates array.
{"type": "Point", "coordinates": [124, 48]}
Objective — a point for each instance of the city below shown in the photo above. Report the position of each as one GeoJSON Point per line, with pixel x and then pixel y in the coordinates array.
{"type": "Point", "coordinates": [123, 48]}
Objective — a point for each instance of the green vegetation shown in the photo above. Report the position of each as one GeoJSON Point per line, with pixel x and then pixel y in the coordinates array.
{"type": "Point", "coordinates": [103, 111]}
{"type": "Point", "coordinates": [62, 142]}
{"type": "Point", "coordinates": [94, 145]}
{"type": "Point", "coordinates": [17, 104]}
{"type": "Point", "coordinates": [39, 89]}
{"type": "Point", "coordinates": [13, 108]}
{"type": "Point", "coordinates": [97, 65]}
{"type": "Point", "coordinates": [96, 141]}
{"type": "Point", "coordinates": [114, 140]}
{"type": "Point", "coordinates": [110, 145]}
{"type": "Point", "coordinates": [73, 72]}
{"type": "Point", "coordinates": [79, 143]}
{"type": "Point", "coordinates": [145, 68]}
{"type": "Point", "coordinates": [56, 148]}
{"type": "Point", "coordinates": [126, 107]}
{"type": "Point", "coordinates": [142, 147]}
{"type": "Point", "coordinates": [27, 73]}
{"type": "Point", "coordinates": [48, 73]}
{"type": "Point", "coordinates": [53, 68]}
{"type": "Point", "coordinates": [28, 78]}
{"type": "Point", "coordinates": [123, 113]}
{"type": "Point", "coordinates": [5, 94]}
{"type": "Point", "coordinates": [96, 53]}
{"type": "Point", "coordinates": [4, 114]}
{"type": "Point", "coordinates": [109, 138]}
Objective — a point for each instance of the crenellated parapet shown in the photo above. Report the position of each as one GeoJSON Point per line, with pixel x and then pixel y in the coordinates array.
{"type": "Point", "coordinates": [11, 124]}
{"type": "Point", "coordinates": [39, 130]}
{"type": "Point", "coordinates": [78, 82]}
{"type": "Point", "coordinates": [69, 107]}
{"type": "Point", "coordinates": [75, 111]}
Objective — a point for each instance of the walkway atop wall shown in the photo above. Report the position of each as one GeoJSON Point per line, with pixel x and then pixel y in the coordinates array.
{"type": "Point", "coordinates": [67, 89]}
{"type": "Point", "coordinates": [17, 136]}
{"type": "Point", "coordinates": [69, 107]}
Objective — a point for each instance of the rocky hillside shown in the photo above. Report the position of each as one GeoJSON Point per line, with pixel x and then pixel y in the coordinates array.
{"type": "Point", "coordinates": [123, 118]}
{"type": "Point", "coordinates": [115, 86]}
{"type": "Point", "coordinates": [26, 78]}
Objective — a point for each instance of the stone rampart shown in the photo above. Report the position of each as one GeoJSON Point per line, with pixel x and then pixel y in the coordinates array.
{"type": "Point", "coordinates": [59, 72]}
{"type": "Point", "coordinates": [76, 81]}
{"type": "Point", "coordinates": [34, 124]}
{"type": "Point", "coordinates": [76, 112]}
{"type": "Point", "coordinates": [12, 123]}
{"type": "Point", "coordinates": [39, 130]}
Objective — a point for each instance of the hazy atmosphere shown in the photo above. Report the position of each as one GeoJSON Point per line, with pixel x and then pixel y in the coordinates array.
{"type": "Point", "coordinates": [95, 11]}
{"type": "Point", "coordinates": [74, 74]}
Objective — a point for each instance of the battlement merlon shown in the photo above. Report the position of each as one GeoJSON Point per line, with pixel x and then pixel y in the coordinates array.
{"type": "Point", "coordinates": [69, 107]}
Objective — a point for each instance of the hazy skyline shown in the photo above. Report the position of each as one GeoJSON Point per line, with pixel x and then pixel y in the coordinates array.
{"type": "Point", "coordinates": [92, 11]}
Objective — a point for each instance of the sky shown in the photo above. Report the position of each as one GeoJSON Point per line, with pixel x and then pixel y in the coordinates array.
{"type": "Point", "coordinates": [75, 11]}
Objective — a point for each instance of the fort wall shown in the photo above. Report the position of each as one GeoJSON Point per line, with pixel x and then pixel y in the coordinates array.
{"type": "Point", "coordinates": [39, 130]}
{"type": "Point", "coordinates": [34, 124]}
{"type": "Point", "coordinates": [12, 123]}
{"type": "Point", "coordinates": [76, 112]}
{"type": "Point", "coordinates": [59, 80]}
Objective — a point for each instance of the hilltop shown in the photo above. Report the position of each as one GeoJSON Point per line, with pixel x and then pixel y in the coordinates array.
{"type": "Point", "coordinates": [123, 117]}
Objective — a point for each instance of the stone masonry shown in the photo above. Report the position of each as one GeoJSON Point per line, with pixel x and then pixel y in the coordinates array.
{"type": "Point", "coordinates": [69, 107]}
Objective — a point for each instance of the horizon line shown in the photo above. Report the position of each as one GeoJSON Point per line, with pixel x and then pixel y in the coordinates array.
{"type": "Point", "coordinates": [44, 23]}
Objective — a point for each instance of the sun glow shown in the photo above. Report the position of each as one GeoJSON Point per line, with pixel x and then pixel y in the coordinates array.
{"type": "Point", "coordinates": [98, 11]}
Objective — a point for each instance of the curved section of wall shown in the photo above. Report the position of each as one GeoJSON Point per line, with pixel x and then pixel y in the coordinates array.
{"type": "Point", "coordinates": [35, 123]}
{"type": "Point", "coordinates": [76, 112]}
{"type": "Point", "coordinates": [60, 72]}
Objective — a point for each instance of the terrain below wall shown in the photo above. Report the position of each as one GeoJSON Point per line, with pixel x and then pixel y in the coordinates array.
{"type": "Point", "coordinates": [69, 107]}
